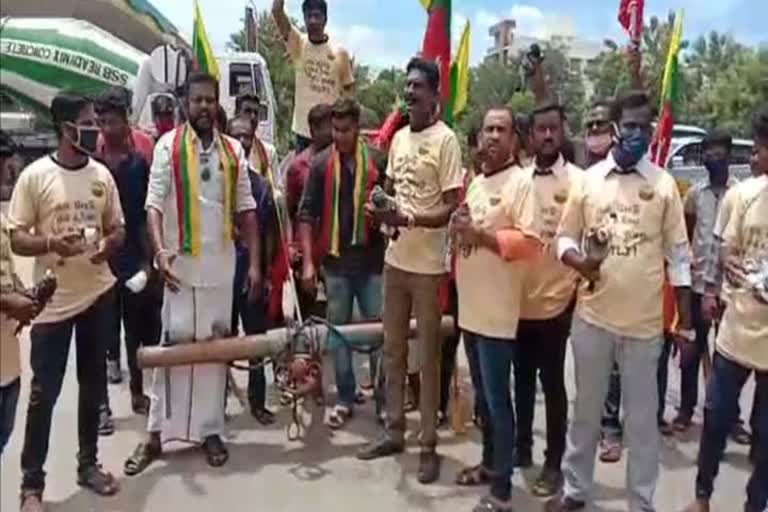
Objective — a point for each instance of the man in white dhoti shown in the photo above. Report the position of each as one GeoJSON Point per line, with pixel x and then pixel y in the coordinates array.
{"type": "Point", "coordinates": [198, 187]}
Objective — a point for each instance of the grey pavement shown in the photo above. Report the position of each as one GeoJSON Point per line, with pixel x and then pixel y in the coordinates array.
{"type": "Point", "coordinates": [266, 472]}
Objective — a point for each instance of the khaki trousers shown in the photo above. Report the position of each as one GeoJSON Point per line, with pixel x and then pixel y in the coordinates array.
{"type": "Point", "coordinates": [404, 291]}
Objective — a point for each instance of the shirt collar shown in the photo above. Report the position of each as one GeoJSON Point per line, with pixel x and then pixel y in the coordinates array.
{"type": "Point", "coordinates": [644, 167]}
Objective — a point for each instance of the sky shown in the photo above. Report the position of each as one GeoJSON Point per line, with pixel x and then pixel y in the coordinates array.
{"type": "Point", "coordinates": [385, 33]}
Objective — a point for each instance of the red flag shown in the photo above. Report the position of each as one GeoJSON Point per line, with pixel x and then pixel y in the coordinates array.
{"type": "Point", "coordinates": [437, 42]}
{"type": "Point", "coordinates": [631, 18]}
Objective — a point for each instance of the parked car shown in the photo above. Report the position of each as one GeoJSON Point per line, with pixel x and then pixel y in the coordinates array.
{"type": "Point", "coordinates": [685, 161]}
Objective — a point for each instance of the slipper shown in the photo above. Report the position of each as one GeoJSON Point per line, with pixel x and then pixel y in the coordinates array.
{"type": "Point", "coordinates": [144, 455]}
{"type": "Point", "coordinates": [339, 417]}
{"type": "Point", "coordinates": [473, 476]}
{"type": "Point", "coordinates": [216, 453]}
{"type": "Point", "coordinates": [263, 416]}
{"type": "Point", "coordinates": [100, 482]}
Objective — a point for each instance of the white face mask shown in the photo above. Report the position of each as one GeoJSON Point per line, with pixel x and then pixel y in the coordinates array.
{"type": "Point", "coordinates": [599, 144]}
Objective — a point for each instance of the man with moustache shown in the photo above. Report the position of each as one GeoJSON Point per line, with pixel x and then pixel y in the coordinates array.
{"type": "Point", "coordinates": [497, 233]}
{"type": "Point", "coordinates": [198, 187]}
{"type": "Point", "coordinates": [546, 310]}
{"type": "Point", "coordinates": [424, 175]}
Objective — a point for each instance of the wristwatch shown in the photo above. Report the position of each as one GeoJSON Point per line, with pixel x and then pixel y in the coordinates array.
{"type": "Point", "coordinates": [688, 334]}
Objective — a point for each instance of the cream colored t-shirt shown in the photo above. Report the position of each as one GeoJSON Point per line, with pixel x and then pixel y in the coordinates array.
{"type": "Point", "coordinates": [649, 224]}
{"type": "Point", "coordinates": [52, 201]}
{"type": "Point", "coordinates": [550, 285]}
{"type": "Point", "coordinates": [489, 287]}
{"type": "Point", "coordinates": [723, 217]}
{"type": "Point", "coordinates": [9, 343]}
{"type": "Point", "coordinates": [321, 73]}
{"type": "Point", "coordinates": [743, 335]}
{"type": "Point", "coordinates": [423, 165]}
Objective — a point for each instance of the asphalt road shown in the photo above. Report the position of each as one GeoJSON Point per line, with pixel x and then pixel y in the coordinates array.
{"type": "Point", "coordinates": [266, 472]}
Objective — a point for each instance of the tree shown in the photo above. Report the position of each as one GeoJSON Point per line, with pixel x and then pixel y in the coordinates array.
{"type": "Point", "coordinates": [272, 48]}
{"type": "Point", "coordinates": [726, 99]}
{"type": "Point", "coordinates": [381, 94]}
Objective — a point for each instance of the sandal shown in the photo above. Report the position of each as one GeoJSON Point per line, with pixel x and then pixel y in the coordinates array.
{"type": "Point", "coordinates": [740, 435]}
{"type": "Point", "coordinates": [473, 476]}
{"type": "Point", "coordinates": [610, 451]}
{"type": "Point", "coordinates": [98, 481]}
{"type": "Point", "coordinates": [491, 504]}
{"type": "Point", "coordinates": [339, 417]}
{"type": "Point", "coordinates": [215, 452]}
{"type": "Point", "coordinates": [263, 416]}
{"type": "Point", "coordinates": [144, 455]}
{"type": "Point", "coordinates": [140, 405]}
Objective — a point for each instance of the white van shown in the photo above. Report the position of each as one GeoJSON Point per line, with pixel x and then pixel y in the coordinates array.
{"type": "Point", "coordinates": [685, 160]}
{"type": "Point", "coordinates": [243, 73]}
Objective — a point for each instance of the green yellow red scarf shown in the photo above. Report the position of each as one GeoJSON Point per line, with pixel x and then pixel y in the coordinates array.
{"type": "Point", "coordinates": [365, 177]}
{"type": "Point", "coordinates": [186, 174]}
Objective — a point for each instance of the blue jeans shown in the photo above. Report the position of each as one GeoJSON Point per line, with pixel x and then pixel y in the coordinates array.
{"type": "Point", "coordinates": [490, 377]}
{"type": "Point", "coordinates": [342, 290]}
{"type": "Point", "coordinates": [9, 397]}
{"type": "Point", "coordinates": [720, 412]}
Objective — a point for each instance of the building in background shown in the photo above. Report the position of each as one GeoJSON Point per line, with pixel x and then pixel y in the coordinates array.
{"type": "Point", "coordinates": [507, 46]}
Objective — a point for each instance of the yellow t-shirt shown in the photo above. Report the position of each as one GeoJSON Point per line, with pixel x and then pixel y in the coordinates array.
{"type": "Point", "coordinates": [743, 335]}
{"type": "Point", "coordinates": [723, 217]}
{"type": "Point", "coordinates": [648, 224]}
{"type": "Point", "coordinates": [321, 73]}
{"type": "Point", "coordinates": [550, 285]}
{"type": "Point", "coordinates": [489, 287]}
{"type": "Point", "coordinates": [9, 343]}
{"type": "Point", "coordinates": [53, 200]}
{"type": "Point", "coordinates": [423, 165]}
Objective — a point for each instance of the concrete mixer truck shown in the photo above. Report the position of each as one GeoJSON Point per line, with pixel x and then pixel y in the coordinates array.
{"type": "Point", "coordinates": [88, 46]}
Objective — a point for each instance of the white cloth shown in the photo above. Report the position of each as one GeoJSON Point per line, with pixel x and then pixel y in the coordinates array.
{"type": "Point", "coordinates": [187, 402]}
{"type": "Point", "coordinates": [216, 264]}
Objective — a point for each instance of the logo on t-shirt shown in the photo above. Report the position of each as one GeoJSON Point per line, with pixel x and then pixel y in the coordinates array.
{"type": "Point", "coordinates": [98, 189]}
{"type": "Point", "coordinates": [561, 196]}
{"type": "Point", "coordinates": [646, 193]}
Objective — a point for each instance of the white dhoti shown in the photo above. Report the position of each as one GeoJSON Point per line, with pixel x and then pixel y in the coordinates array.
{"type": "Point", "coordinates": [187, 402]}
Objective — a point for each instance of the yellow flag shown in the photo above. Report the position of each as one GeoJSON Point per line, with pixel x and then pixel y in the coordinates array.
{"type": "Point", "coordinates": [426, 3]}
{"type": "Point", "coordinates": [461, 91]}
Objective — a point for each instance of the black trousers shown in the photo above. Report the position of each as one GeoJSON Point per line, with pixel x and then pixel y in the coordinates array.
{"type": "Point", "coordinates": [541, 350]}
{"type": "Point", "coordinates": [48, 359]}
{"type": "Point", "coordinates": [140, 315]}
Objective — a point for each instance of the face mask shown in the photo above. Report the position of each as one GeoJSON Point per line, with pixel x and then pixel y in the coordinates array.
{"type": "Point", "coordinates": [632, 146]}
{"type": "Point", "coordinates": [718, 169]}
{"type": "Point", "coordinates": [599, 144]}
{"type": "Point", "coordinates": [87, 139]}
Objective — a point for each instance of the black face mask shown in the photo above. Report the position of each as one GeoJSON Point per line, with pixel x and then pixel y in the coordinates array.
{"type": "Point", "coordinates": [87, 139]}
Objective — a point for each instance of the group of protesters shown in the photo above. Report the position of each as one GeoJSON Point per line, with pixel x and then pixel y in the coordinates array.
{"type": "Point", "coordinates": [194, 234]}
